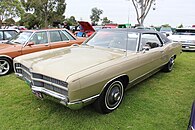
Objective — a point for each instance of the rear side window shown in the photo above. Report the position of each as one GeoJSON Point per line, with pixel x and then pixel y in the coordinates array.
{"type": "Point", "coordinates": [68, 35]}
{"type": "Point", "coordinates": [55, 36]}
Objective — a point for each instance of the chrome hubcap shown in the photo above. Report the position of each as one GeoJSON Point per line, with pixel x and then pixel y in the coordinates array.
{"type": "Point", "coordinates": [117, 96]}
{"type": "Point", "coordinates": [114, 95]}
{"type": "Point", "coordinates": [4, 67]}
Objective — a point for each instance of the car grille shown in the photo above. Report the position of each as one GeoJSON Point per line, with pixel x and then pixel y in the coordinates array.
{"type": "Point", "coordinates": [39, 80]}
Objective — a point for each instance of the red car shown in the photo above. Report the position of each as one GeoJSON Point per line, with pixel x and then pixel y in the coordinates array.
{"type": "Point", "coordinates": [86, 30]}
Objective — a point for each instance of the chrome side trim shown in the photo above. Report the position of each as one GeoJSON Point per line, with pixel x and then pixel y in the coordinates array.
{"type": "Point", "coordinates": [81, 103]}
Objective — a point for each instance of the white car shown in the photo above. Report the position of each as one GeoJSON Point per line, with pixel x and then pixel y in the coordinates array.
{"type": "Point", "coordinates": [6, 34]}
{"type": "Point", "coordinates": [167, 31]}
{"type": "Point", "coordinates": [186, 36]}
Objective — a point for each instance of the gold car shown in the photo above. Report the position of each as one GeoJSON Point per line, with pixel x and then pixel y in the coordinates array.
{"type": "Point", "coordinates": [99, 70]}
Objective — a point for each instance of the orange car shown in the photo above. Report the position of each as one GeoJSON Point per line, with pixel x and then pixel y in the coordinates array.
{"type": "Point", "coordinates": [29, 41]}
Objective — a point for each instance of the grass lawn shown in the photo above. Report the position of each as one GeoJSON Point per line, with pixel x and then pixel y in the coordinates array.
{"type": "Point", "coordinates": [162, 102]}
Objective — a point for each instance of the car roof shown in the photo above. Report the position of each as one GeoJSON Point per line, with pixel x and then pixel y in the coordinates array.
{"type": "Point", "coordinates": [44, 30]}
{"type": "Point", "coordinates": [10, 29]}
{"type": "Point", "coordinates": [131, 30]}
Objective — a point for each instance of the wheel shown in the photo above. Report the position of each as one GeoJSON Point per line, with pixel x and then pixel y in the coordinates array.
{"type": "Point", "coordinates": [169, 66]}
{"type": "Point", "coordinates": [5, 66]}
{"type": "Point", "coordinates": [110, 98]}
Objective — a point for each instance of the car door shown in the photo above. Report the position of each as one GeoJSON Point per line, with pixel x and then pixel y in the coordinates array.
{"type": "Point", "coordinates": [150, 55]}
{"type": "Point", "coordinates": [40, 43]}
{"type": "Point", "coordinates": [58, 39]}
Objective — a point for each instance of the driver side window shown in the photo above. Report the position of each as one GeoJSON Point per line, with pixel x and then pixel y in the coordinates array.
{"type": "Point", "coordinates": [150, 41]}
{"type": "Point", "coordinates": [39, 38]}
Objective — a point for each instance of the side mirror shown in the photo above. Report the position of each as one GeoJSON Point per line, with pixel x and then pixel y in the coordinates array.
{"type": "Point", "coordinates": [146, 48]}
{"type": "Point", "coordinates": [30, 43]}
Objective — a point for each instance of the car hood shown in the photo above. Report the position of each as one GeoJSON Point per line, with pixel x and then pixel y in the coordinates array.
{"type": "Point", "coordinates": [86, 26]}
{"type": "Point", "coordinates": [3, 46]}
{"type": "Point", "coordinates": [11, 50]}
{"type": "Point", "coordinates": [182, 37]}
{"type": "Point", "coordinates": [64, 62]}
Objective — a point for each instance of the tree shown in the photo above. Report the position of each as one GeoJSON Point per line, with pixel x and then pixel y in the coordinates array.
{"type": "Point", "coordinates": [105, 20]}
{"type": "Point", "coordinates": [165, 25]}
{"type": "Point", "coordinates": [180, 26]}
{"type": "Point", "coordinates": [29, 20]}
{"type": "Point", "coordinates": [142, 7]}
{"type": "Point", "coordinates": [95, 16]}
{"type": "Point", "coordinates": [71, 21]}
{"type": "Point", "coordinates": [10, 9]}
{"type": "Point", "coordinates": [48, 11]}
{"type": "Point", "coordinates": [9, 21]}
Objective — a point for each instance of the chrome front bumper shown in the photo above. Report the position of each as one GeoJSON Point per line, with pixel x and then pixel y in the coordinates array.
{"type": "Point", "coordinates": [63, 99]}
{"type": "Point", "coordinates": [188, 47]}
{"type": "Point", "coordinates": [59, 97]}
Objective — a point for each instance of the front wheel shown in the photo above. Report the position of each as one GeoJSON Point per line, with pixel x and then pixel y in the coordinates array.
{"type": "Point", "coordinates": [5, 66]}
{"type": "Point", "coordinates": [110, 98]}
{"type": "Point", "coordinates": [169, 66]}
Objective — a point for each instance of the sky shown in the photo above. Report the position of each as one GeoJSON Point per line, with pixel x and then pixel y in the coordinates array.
{"type": "Point", "coordinates": [172, 12]}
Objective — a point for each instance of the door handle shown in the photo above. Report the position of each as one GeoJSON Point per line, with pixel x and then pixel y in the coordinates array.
{"type": "Point", "coordinates": [46, 44]}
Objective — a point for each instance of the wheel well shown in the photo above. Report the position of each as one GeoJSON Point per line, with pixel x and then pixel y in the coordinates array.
{"type": "Point", "coordinates": [123, 78]}
{"type": "Point", "coordinates": [5, 57]}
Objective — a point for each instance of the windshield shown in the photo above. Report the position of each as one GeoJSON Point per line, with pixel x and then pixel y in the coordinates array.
{"type": "Point", "coordinates": [20, 38]}
{"type": "Point", "coordinates": [114, 39]}
{"type": "Point", "coordinates": [184, 32]}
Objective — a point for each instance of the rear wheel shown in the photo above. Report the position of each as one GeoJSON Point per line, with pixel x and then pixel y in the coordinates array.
{"type": "Point", "coordinates": [110, 98]}
{"type": "Point", "coordinates": [169, 66]}
{"type": "Point", "coordinates": [5, 66]}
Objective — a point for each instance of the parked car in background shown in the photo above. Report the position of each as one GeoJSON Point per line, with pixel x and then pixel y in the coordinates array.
{"type": "Point", "coordinates": [146, 28]}
{"type": "Point", "coordinates": [6, 34]}
{"type": "Point", "coordinates": [85, 29]}
{"type": "Point", "coordinates": [97, 28]}
{"type": "Point", "coordinates": [186, 36]}
{"type": "Point", "coordinates": [167, 31]}
{"type": "Point", "coordinates": [111, 25]}
{"type": "Point", "coordinates": [29, 41]}
{"type": "Point", "coordinates": [100, 69]}
{"type": "Point", "coordinates": [124, 25]}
